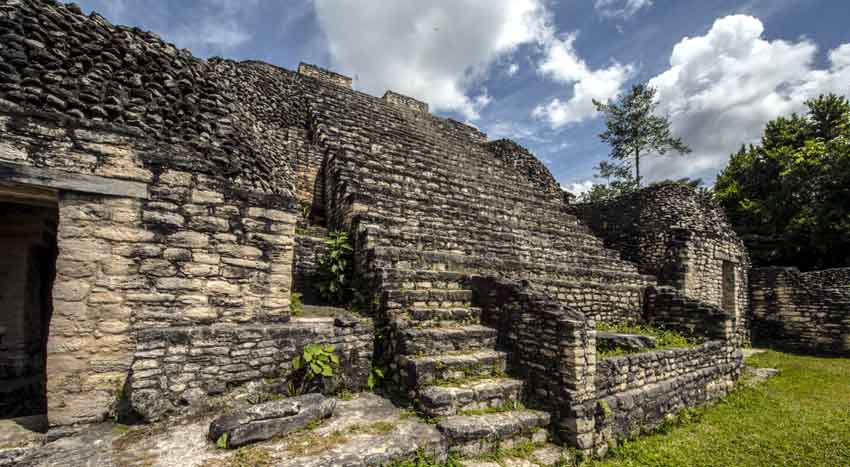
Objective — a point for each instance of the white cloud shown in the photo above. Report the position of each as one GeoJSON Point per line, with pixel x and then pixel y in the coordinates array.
{"type": "Point", "coordinates": [513, 68]}
{"type": "Point", "coordinates": [620, 8]}
{"type": "Point", "coordinates": [580, 188]}
{"type": "Point", "coordinates": [436, 51]}
{"type": "Point", "coordinates": [722, 87]}
{"type": "Point", "coordinates": [563, 64]}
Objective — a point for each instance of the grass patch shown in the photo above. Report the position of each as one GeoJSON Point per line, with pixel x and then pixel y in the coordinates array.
{"type": "Point", "coordinates": [312, 443]}
{"type": "Point", "coordinates": [800, 418]}
{"type": "Point", "coordinates": [249, 457]}
{"type": "Point", "coordinates": [376, 428]}
{"type": "Point", "coordinates": [423, 459]}
{"type": "Point", "coordinates": [665, 339]}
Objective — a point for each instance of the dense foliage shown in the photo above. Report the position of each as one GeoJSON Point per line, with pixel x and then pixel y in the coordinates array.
{"type": "Point", "coordinates": [789, 197]}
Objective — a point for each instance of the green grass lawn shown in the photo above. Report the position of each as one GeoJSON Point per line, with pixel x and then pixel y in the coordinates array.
{"type": "Point", "coordinates": [799, 418]}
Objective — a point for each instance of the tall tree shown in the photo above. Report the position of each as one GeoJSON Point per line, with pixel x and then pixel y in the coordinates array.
{"type": "Point", "coordinates": [789, 197]}
{"type": "Point", "coordinates": [633, 130]}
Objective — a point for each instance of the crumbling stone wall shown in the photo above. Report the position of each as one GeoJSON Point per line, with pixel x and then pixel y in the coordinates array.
{"type": "Point", "coordinates": [681, 237]}
{"type": "Point", "coordinates": [807, 312]}
{"type": "Point", "coordinates": [182, 365]}
{"type": "Point", "coordinates": [405, 101]}
{"type": "Point", "coordinates": [667, 308]}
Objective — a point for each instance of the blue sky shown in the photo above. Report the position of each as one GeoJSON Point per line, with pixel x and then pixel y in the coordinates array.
{"type": "Point", "coordinates": [528, 69]}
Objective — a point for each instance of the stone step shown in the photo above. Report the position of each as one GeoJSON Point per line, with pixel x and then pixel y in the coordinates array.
{"type": "Point", "coordinates": [423, 371]}
{"type": "Point", "coordinates": [403, 259]}
{"type": "Point", "coordinates": [400, 298]}
{"type": "Point", "coordinates": [424, 316]}
{"type": "Point", "coordinates": [473, 435]}
{"type": "Point", "coordinates": [483, 235]}
{"type": "Point", "coordinates": [477, 394]}
{"type": "Point", "coordinates": [436, 340]}
{"type": "Point", "coordinates": [458, 213]}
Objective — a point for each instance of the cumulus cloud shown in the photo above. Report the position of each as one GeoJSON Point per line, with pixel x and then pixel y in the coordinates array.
{"type": "Point", "coordinates": [620, 8]}
{"type": "Point", "coordinates": [563, 64]}
{"type": "Point", "coordinates": [580, 188]}
{"type": "Point", "coordinates": [722, 87]}
{"type": "Point", "coordinates": [436, 51]}
{"type": "Point", "coordinates": [512, 69]}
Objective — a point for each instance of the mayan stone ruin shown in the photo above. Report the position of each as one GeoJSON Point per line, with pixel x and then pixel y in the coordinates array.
{"type": "Point", "coordinates": [159, 211]}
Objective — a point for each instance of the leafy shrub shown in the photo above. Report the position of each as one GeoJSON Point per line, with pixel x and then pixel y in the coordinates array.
{"type": "Point", "coordinates": [335, 269]}
{"type": "Point", "coordinates": [296, 306]}
{"type": "Point", "coordinates": [314, 366]}
{"type": "Point", "coordinates": [376, 377]}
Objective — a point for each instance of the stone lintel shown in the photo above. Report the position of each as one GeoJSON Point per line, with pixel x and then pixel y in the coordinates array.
{"type": "Point", "coordinates": [61, 180]}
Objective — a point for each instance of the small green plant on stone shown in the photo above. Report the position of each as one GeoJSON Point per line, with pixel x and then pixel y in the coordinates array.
{"type": "Point", "coordinates": [335, 269]}
{"type": "Point", "coordinates": [376, 378]}
{"type": "Point", "coordinates": [221, 442]}
{"type": "Point", "coordinates": [311, 368]}
{"type": "Point", "coordinates": [296, 306]}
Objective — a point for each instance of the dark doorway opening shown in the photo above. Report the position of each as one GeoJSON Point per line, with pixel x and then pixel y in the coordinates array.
{"type": "Point", "coordinates": [27, 269]}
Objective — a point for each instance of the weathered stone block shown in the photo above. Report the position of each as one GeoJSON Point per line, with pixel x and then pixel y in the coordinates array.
{"type": "Point", "coordinates": [270, 419]}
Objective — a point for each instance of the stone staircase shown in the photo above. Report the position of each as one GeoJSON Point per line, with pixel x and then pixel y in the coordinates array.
{"type": "Point", "coordinates": [430, 208]}
{"type": "Point", "coordinates": [450, 365]}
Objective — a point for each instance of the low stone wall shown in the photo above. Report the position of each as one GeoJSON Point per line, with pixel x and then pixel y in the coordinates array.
{"type": "Point", "coordinates": [635, 392]}
{"type": "Point", "coordinates": [173, 365]}
{"type": "Point", "coordinates": [808, 312]}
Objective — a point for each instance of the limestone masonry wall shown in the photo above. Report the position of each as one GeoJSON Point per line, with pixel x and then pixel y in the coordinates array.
{"type": "Point", "coordinates": [681, 237]}
{"type": "Point", "coordinates": [807, 312]}
{"type": "Point", "coordinates": [635, 392]}
{"type": "Point", "coordinates": [668, 308]}
{"type": "Point", "coordinates": [174, 366]}
{"type": "Point", "coordinates": [184, 249]}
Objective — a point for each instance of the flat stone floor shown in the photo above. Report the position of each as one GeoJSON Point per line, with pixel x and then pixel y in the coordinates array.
{"type": "Point", "coordinates": [366, 430]}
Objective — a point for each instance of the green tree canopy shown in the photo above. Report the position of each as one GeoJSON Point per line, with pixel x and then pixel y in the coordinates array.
{"type": "Point", "coordinates": [789, 197]}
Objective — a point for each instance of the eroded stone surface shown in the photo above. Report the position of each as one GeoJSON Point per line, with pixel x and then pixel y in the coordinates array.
{"type": "Point", "coordinates": [364, 431]}
{"type": "Point", "coordinates": [625, 341]}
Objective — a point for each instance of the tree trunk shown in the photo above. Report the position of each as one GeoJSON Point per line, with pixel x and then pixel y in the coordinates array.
{"type": "Point", "coordinates": [637, 168]}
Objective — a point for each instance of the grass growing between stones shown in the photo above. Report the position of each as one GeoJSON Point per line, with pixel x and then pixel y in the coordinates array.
{"type": "Point", "coordinates": [665, 339]}
{"type": "Point", "coordinates": [800, 418]}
